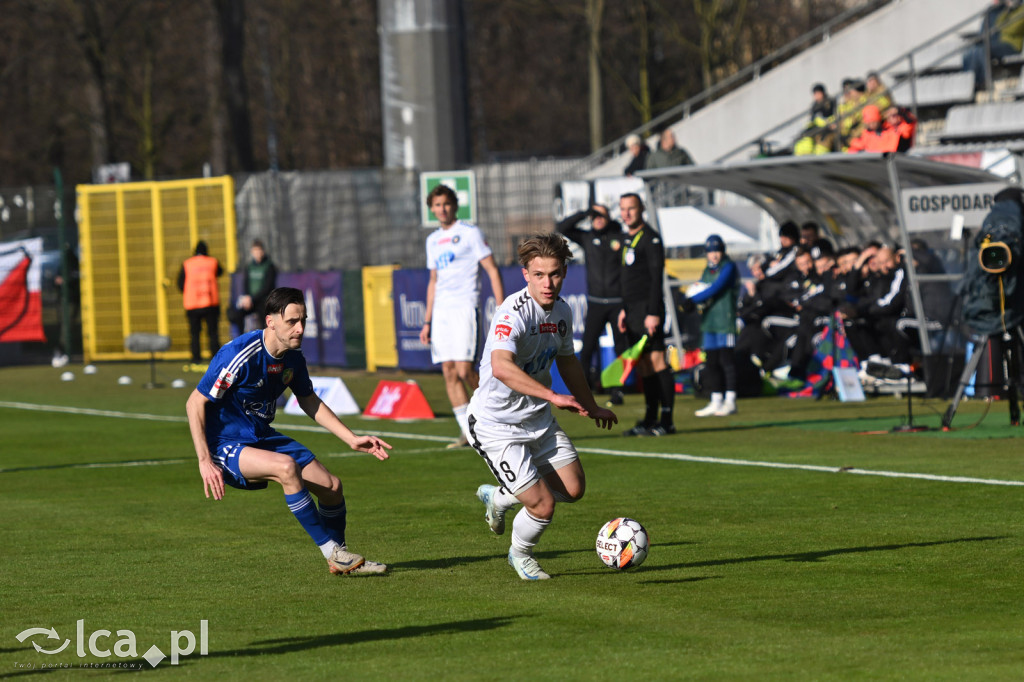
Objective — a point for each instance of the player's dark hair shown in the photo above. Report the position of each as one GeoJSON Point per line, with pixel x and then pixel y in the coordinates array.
{"type": "Point", "coordinates": [633, 195]}
{"type": "Point", "coordinates": [282, 297]}
{"type": "Point", "coordinates": [444, 190]}
{"type": "Point", "coordinates": [549, 245]}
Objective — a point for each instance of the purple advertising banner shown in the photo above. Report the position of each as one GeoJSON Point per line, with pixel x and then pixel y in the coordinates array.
{"type": "Point", "coordinates": [324, 340]}
{"type": "Point", "coordinates": [409, 293]}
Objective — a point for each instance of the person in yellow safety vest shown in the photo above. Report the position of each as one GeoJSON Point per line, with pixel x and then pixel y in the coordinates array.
{"type": "Point", "coordinates": [853, 100]}
{"type": "Point", "coordinates": [197, 282]}
{"type": "Point", "coordinates": [818, 137]}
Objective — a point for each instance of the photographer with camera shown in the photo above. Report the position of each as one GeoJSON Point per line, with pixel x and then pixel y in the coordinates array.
{"type": "Point", "coordinates": [602, 250]}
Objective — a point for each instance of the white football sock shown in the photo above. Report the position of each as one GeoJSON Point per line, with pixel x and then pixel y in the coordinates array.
{"type": "Point", "coordinates": [526, 532]}
{"type": "Point", "coordinates": [327, 548]}
{"type": "Point", "coordinates": [503, 499]}
{"type": "Point", "coordinates": [730, 397]}
{"type": "Point", "coordinates": [463, 419]}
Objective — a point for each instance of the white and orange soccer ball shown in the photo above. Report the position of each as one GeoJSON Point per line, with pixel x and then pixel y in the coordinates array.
{"type": "Point", "coordinates": [622, 543]}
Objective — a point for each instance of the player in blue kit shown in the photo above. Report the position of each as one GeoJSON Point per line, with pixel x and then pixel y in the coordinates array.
{"type": "Point", "coordinates": [229, 415]}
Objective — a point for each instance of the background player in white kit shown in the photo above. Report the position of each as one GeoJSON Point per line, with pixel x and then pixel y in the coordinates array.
{"type": "Point", "coordinates": [510, 420]}
{"type": "Point", "coordinates": [455, 253]}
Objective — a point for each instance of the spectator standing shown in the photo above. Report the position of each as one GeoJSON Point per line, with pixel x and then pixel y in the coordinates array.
{"type": "Point", "coordinates": [455, 253]}
{"type": "Point", "coordinates": [643, 313]}
{"type": "Point", "coordinates": [718, 303]}
{"type": "Point", "coordinates": [668, 154]}
{"type": "Point", "coordinates": [639, 151]}
{"type": "Point", "coordinates": [197, 281]}
{"type": "Point", "coordinates": [602, 248]}
{"type": "Point", "coordinates": [258, 280]}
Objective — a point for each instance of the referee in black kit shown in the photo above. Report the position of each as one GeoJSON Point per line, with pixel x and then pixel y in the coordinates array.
{"type": "Point", "coordinates": [643, 270]}
{"type": "Point", "coordinates": [602, 247]}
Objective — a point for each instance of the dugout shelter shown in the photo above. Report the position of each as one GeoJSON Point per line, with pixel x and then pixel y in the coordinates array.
{"type": "Point", "coordinates": [855, 198]}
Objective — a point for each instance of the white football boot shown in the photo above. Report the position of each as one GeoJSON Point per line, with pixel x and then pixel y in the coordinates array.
{"type": "Point", "coordinates": [495, 517]}
{"type": "Point", "coordinates": [527, 567]}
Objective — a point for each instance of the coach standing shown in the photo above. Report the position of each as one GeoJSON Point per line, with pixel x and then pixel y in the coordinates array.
{"type": "Point", "coordinates": [602, 246]}
{"type": "Point", "coordinates": [643, 271]}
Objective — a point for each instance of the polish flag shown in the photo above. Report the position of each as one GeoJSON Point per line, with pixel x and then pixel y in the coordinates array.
{"type": "Point", "coordinates": [21, 304]}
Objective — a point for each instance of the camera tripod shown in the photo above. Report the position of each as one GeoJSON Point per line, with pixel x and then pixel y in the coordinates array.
{"type": "Point", "coordinates": [1012, 345]}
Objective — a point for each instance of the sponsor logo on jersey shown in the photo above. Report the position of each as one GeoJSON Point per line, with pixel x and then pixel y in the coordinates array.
{"type": "Point", "coordinates": [455, 239]}
{"type": "Point", "coordinates": [287, 375]}
{"type": "Point", "coordinates": [563, 328]}
{"type": "Point", "coordinates": [276, 368]}
{"type": "Point", "coordinates": [533, 330]}
{"type": "Point", "coordinates": [223, 383]}
{"type": "Point", "coordinates": [548, 328]}
{"type": "Point", "coordinates": [502, 331]}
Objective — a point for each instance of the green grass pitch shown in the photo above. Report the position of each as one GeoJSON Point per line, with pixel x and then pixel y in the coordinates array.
{"type": "Point", "coordinates": [804, 563]}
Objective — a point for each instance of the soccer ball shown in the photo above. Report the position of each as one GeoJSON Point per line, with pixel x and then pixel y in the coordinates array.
{"type": "Point", "coordinates": [696, 288]}
{"type": "Point", "coordinates": [622, 543]}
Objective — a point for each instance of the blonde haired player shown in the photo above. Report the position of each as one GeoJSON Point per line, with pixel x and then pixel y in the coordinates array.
{"type": "Point", "coordinates": [455, 253]}
{"type": "Point", "coordinates": [510, 420]}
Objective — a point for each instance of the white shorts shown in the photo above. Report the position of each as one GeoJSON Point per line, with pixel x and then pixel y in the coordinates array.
{"type": "Point", "coordinates": [519, 456]}
{"type": "Point", "coordinates": [453, 335]}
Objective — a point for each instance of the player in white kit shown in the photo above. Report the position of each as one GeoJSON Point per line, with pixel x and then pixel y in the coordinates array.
{"type": "Point", "coordinates": [510, 420]}
{"type": "Point", "coordinates": [455, 253]}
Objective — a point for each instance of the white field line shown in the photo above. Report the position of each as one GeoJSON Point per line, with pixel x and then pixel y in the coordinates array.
{"type": "Point", "coordinates": [443, 439]}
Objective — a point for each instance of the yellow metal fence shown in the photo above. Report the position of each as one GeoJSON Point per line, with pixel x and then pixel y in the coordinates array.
{"type": "Point", "coordinates": [134, 238]}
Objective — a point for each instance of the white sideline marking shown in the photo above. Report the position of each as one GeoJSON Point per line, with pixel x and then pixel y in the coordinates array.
{"type": "Point", "coordinates": [803, 467]}
{"type": "Point", "coordinates": [443, 439]}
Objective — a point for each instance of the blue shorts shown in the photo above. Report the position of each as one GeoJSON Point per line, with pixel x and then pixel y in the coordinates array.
{"type": "Point", "coordinates": [225, 455]}
{"type": "Point", "coordinates": [716, 341]}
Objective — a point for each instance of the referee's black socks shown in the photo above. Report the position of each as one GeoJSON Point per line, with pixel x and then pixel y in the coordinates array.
{"type": "Point", "coordinates": [667, 390]}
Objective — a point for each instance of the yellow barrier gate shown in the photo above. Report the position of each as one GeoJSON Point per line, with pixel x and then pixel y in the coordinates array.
{"type": "Point", "coordinates": [134, 238]}
{"type": "Point", "coordinates": [379, 317]}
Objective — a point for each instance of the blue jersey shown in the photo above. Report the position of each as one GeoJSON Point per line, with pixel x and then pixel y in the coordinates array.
{"type": "Point", "coordinates": [244, 382]}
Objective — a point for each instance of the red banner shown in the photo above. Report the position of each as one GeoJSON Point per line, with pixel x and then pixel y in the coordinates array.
{"type": "Point", "coordinates": [21, 305]}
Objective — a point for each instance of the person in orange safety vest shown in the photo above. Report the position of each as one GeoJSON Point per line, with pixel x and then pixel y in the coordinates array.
{"type": "Point", "coordinates": [197, 282]}
{"type": "Point", "coordinates": [895, 134]}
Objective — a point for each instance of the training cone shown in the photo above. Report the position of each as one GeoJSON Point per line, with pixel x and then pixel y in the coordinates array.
{"type": "Point", "coordinates": [398, 400]}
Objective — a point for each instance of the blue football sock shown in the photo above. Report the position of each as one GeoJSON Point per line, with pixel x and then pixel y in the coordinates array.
{"type": "Point", "coordinates": [302, 506]}
{"type": "Point", "coordinates": [334, 519]}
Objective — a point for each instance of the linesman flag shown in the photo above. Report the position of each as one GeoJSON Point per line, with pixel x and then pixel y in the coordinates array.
{"type": "Point", "coordinates": [616, 373]}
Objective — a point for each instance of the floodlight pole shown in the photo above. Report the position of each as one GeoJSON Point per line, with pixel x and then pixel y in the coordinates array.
{"type": "Point", "coordinates": [908, 254]}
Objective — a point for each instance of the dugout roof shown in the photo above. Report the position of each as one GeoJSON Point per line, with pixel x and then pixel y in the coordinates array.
{"type": "Point", "coordinates": [850, 194]}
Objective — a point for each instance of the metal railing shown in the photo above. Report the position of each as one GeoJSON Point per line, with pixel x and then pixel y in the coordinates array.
{"type": "Point", "coordinates": [751, 72]}
{"type": "Point", "coordinates": [910, 76]}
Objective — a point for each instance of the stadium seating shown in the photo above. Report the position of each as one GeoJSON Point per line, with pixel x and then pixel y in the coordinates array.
{"type": "Point", "coordinates": [937, 90]}
{"type": "Point", "coordinates": [984, 121]}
